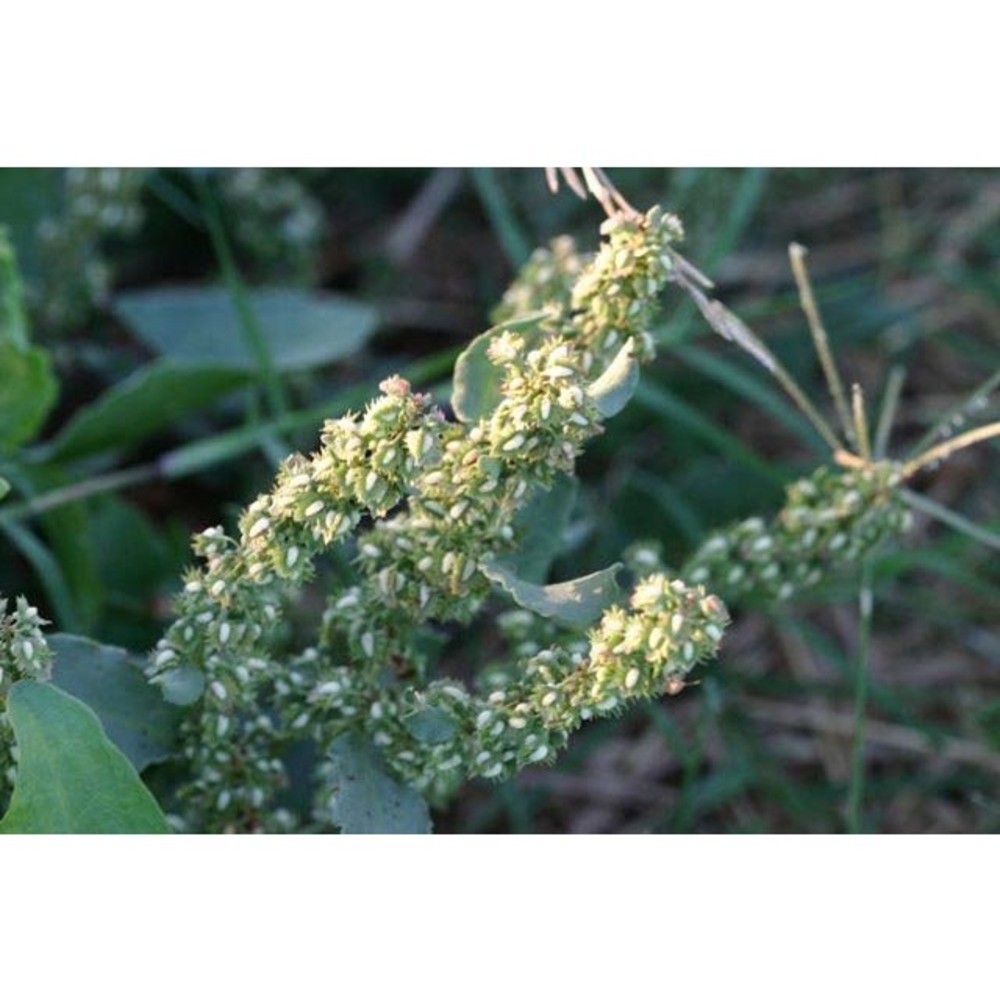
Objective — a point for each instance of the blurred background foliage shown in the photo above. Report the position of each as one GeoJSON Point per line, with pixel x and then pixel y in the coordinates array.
{"type": "Point", "coordinates": [176, 332]}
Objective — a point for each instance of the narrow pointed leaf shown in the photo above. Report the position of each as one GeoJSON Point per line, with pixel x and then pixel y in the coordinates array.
{"type": "Point", "coordinates": [152, 398]}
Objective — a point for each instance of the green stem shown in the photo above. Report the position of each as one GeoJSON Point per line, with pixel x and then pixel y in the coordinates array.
{"type": "Point", "coordinates": [890, 402]}
{"type": "Point", "coordinates": [516, 246]}
{"type": "Point", "coordinates": [856, 790]}
{"type": "Point", "coordinates": [208, 452]}
{"type": "Point", "coordinates": [861, 435]}
{"type": "Point", "coordinates": [118, 480]}
{"type": "Point", "coordinates": [13, 317]}
{"type": "Point", "coordinates": [797, 256]}
{"type": "Point", "coordinates": [253, 334]}
{"type": "Point", "coordinates": [947, 448]}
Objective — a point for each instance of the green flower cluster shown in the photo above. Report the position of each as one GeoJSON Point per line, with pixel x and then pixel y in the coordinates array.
{"type": "Point", "coordinates": [545, 282]}
{"type": "Point", "coordinates": [24, 655]}
{"type": "Point", "coordinates": [440, 735]}
{"type": "Point", "coordinates": [603, 301]}
{"type": "Point", "coordinates": [98, 203]}
{"type": "Point", "coordinates": [442, 497]}
{"type": "Point", "coordinates": [831, 519]}
{"type": "Point", "coordinates": [276, 220]}
{"type": "Point", "coordinates": [616, 298]}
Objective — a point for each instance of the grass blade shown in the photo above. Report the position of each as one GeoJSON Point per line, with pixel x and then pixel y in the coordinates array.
{"type": "Point", "coordinates": [513, 239]}
{"type": "Point", "coordinates": [671, 407]}
{"type": "Point", "coordinates": [856, 789]}
{"type": "Point", "coordinates": [954, 520]}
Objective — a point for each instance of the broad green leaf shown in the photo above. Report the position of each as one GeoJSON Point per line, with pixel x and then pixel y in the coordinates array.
{"type": "Point", "coordinates": [133, 577]}
{"type": "Point", "coordinates": [69, 537]}
{"type": "Point", "coordinates": [615, 387]}
{"type": "Point", "coordinates": [13, 321]}
{"type": "Point", "coordinates": [28, 391]}
{"type": "Point", "coordinates": [365, 799]}
{"type": "Point", "coordinates": [539, 527]}
{"type": "Point", "coordinates": [68, 533]}
{"type": "Point", "coordinates": [476, 391]}
{"type": "Point", "coordinates": [110, 681]}
{"type": "Point", "coordinates": [576, 602]}
{"type": "Point", "coordinates": [154, 397]}
{"type": "Point", "coordinates": [71, 778]}
{"type": "Point", "coordinates": [200, 325]}
{"type": "Point", "coordinates": [4, 487]}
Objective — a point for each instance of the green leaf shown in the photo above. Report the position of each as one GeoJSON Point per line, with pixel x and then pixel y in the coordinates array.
{"type": "Point", "coordinates": [476, 386]}
{"type": "Point", "coordinates": [4, 487]}
{"type": "Point", "coordinates": [673, 409]}
{"type": "Point", "coordinates": [183, 685]}
{"type": "Point", "coordinates": [133, 578]}
{"type": "Point", "coordinates": [69, 537]}
{"type": "Point", "coordinates": [746, 382]}
{"type": "Point", "coordinates": [27, 196]}
{"type": "Point", "coordinates": [28, 388]}
{"type": "Point", "coordinates": [48, 570]}
{"type": "Point", "coordinates": [539, 526]}
{"type": "Point", "coordinates": [366, 799]}
{"type": "Point", "coordinates": [154, 397]}
{"type": "Point", "coordinates": [70, 777]}
{"type": "Point", "coordinates": [576, 602]}
{"type": "Point", "coordinates": [13, 321]}
{"type": "Point", "coordinates": [615, 387]}
{"type": "Point", "coordinates": [110, 681]}
{"type": "Point", "coordinates": [71, 540]}
{"type": "Point", "coordinates": [430, 725]}
{"type": "Point", "coordinates": [28, 391]}
{"type": "Point", "coordinates": [200, 324]}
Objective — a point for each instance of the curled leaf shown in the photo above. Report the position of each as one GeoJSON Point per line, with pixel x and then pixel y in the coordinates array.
{"type": "Point", "coordinates": [576, 602]}
{"type": "Point", "coordinates": [616, 385]}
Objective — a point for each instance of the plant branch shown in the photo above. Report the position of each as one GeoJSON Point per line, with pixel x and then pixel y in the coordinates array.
{"type": "Point", "coordinates": [797, 256]}
{"type": "Point", "coordinates": [947, 448]}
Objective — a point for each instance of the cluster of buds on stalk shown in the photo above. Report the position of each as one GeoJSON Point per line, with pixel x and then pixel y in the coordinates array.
{"type": "Point", "coordinates": [98, 203]}
{"type": "Point", "coordinates": [442, 497]}
{"type": "Point", "coordinates": [24, 655]}
{"type": "Point", "coordinates": [830, 520]}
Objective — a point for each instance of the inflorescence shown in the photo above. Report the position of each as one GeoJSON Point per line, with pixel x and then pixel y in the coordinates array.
{"type": "Point", "coordinates": [425, 508]}
{"type": "Point", "coordinates": [443, 497]}
{"type": "Point", "coordinates": [24, 655]}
